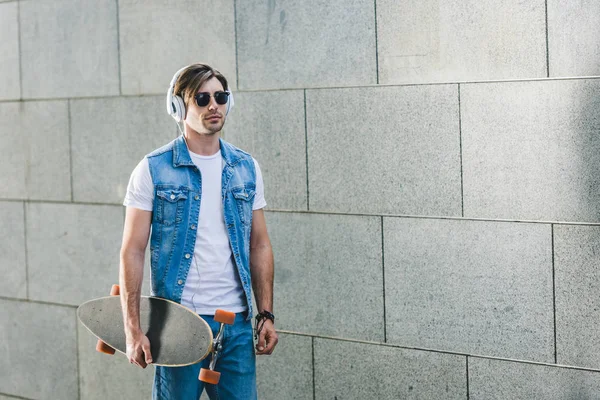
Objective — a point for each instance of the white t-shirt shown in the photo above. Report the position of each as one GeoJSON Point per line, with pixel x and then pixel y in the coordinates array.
{"type": "Point", "coordinates": [213, 281]}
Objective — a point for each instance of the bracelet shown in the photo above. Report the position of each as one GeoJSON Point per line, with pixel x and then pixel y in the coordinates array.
{"type": "Point", "coordinates": [265, 314]}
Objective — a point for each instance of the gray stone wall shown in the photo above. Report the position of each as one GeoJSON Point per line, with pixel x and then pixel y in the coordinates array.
{"type": "Point", "coordinates": [432, 177]}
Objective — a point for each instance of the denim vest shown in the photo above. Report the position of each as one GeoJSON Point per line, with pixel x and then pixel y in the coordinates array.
{"type": "Point", "coordinates": [177, 195]}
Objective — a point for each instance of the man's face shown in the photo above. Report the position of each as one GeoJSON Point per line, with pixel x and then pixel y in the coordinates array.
{"type": "Point", "coordinates": [209, 119]}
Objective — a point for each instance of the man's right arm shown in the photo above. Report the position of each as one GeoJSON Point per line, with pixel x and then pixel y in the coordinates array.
{"type": "Point", "coordinates": [135, 239]}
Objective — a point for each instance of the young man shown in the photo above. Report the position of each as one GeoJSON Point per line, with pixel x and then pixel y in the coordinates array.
{"type": "Point", "coordinates": [202, 199]}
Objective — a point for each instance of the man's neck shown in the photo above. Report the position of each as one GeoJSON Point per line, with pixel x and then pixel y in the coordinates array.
{"type": "Point", "coordinates": [204, 145]}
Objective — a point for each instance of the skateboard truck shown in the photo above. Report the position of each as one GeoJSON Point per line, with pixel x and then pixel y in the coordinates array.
{"type": "Point", "coordinates": [210, 375]}
{"type": "Point", "coordinates": [102, 347]}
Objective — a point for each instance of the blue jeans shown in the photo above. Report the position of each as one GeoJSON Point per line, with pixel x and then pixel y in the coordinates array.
{"type": "Point", "coordinates": [236, 364]}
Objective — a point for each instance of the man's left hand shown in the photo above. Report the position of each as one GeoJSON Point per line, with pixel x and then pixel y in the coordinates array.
{"type": "Point", "coordinates": [267, 339]}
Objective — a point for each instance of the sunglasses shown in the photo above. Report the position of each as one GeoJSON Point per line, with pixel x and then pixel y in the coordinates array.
{"type": "Point", "coordinates": [202, 99]}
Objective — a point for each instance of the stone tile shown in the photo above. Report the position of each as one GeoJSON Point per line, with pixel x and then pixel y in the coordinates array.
{"type": "Point", "coordinates": [384, 150]}
{"type": "Point", "coordinates": [110, 137]}
{"type": "Point", "coordinates": [531, 150]}
{"type": "Point", "coordinates": [73, 251]}
{"type": "Point", "coordinates": [328, 275]}
{"type": "Point", "coordinates": [13, 266]}
{"type": "Point", "coordinates": [310, 43]}
{"type": "Point", "coordinates": [39, 350]}
{"type": "Point", "coordinates": [430, 41]}
{"type": "Point", "coordinates": [34, 142]}
{"type": "Point", "coordinates": [182, 33]}
{"type": "Point", "coordinates": [477, 287]}
{"type": "Point", "coordinates": [573, 29]}
{"type": "Point", "coordinates": [9, 48]}
{"type": "Point", "coordinates": [109, 377]}
{"type": "Point", "coordinates": [270, 126]}
{"type": "Point", "coordinates": [346, 370]}
{"type": "Point", "coordinates": [61, 55]}
{"type": "Point", "coordinates": [577, 281]}
{"type": "Point", "coordinates": [497, 379]}
{"type": "Point", "coordinates": [288, 372]}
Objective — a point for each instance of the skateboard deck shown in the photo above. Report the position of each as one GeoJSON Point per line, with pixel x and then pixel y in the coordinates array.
{"type": "Point", "coordinates": [178, 336]}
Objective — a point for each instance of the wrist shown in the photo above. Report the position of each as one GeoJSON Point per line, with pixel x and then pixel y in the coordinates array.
{"type": "Point", "coordinates": [133, 330]}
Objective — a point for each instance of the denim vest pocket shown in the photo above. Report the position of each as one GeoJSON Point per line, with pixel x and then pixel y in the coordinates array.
{"type": "Point", "coordinates": [244, 199]}
{"type": "Point", "coordinates": [169, 205]}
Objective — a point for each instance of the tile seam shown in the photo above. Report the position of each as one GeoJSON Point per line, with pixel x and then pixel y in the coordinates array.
{"type": "Point", "coordinates": [237, 73]}
{"type": "Point", "coordinates": [20, 49]}
{"type": "Point", "coordinates": [441, 83]}
{"type": "Point", "coordinates": [15, 396]}
{"type": "Point", "coordinates": [314, 384]}
{"type": "Point", "coordinates": [26, 250]}
{"type": "Point", "coordinates": [390, 85]}
{"type": "Point", "coordinates": [435, 217]}
{"type": "Point", "coordinates": [437, 351]}
{"type": "Point", "coordinates": [333, 213]}
{"type": "Point", "coordinates": [70, 132]}
{"type": "Point", "coordinates": [547, 42]}
{"type": "Point", "coordinates": [119, 47]}
{"type": "Point", "coordinates": [383, 281]}
{"type": "Point", "coordinates": [306, 152]}
{"type": "Point", "coordinates": [554, 293]}
{"type": "Point", "coordinates": [467, 375]}
{"type": "Point", "coordinates": [376, 45]}
{"type": "Point", "coordinates": [40, 302]}
{"type": "Point", "coordinates": [78, 356]}
{"type": "Point", "coordinates": [462, 185]}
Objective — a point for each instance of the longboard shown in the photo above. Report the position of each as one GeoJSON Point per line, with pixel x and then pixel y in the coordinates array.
{"type": "Point", "coordinates": [178, 337]}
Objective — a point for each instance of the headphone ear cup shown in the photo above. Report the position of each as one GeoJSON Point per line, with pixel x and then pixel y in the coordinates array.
{"type": "Point", "coordinates": [230, 103]}
{"type": "Point", "coordinates": [178, 108]}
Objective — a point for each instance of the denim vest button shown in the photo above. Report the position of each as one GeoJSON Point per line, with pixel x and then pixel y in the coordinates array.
{"type": "Point", "coordinates": [180, 282]}
{"type": "Point", "coordinates": [196, 197]}
{"type": "Point", "coordinates": [187, 255]}
{"type": "Point", "coordinates": [172, 197]}
{"type": "Point", "coordinates": [193, 226]}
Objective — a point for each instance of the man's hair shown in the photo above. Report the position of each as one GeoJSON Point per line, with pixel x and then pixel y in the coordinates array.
{"type": "Point", "coordinates": [193, 77]}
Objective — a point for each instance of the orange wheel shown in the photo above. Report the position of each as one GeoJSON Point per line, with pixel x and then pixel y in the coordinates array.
{"type": "Point", "coordinates": [225, 317]}
{"type": "Point", "coordinates": [209, 376]}
{"type": "Point", "coordinates": [102, 347]}
{"type": "Point", "coordinates": [115, 290]}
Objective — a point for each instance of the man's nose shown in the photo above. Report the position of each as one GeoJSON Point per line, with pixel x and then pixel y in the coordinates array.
{"type": "Point", "coordinates": [212, 103]}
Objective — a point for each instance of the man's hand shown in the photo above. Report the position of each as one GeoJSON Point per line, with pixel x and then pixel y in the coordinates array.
{"type": "Point", "coordinates": [267, 338]}
{"type": "Point", "coordinates": [138, 349]}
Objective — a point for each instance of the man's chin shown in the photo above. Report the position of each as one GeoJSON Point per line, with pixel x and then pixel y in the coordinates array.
{"type": "Point", "coordinates": [212, 129]}
{"type": "Point", "coordinates": [208, 131]}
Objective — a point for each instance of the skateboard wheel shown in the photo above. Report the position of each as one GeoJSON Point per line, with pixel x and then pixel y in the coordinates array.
{"type": "Point", "coordinates": [224, 317]}
{"type": "Point", "coordinates": [209, 376]}
{"type": "Point", "coordinates": [102, 347]}
{"type": "Point", "coordinates": [115, 290]}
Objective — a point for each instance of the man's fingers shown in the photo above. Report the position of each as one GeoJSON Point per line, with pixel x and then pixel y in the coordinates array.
{"type": "Point", "coordinates": [267, 342]}
{"type": "Point", "coordinates": [261, 343]}
{"type": "Point", "coordinates": [140, 364]}
{"type": "Point", "coordinates": [147, 353]}
{"type": "Point", "coordinates": [271, 342]}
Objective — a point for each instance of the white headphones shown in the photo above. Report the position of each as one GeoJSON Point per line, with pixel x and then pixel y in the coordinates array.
{"type": "Point", "coordinates": [176, 105]}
